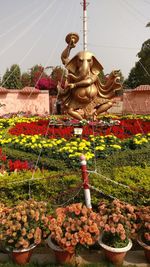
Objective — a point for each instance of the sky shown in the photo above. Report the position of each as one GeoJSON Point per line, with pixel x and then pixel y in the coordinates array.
{"type": "Point", "coordinates": [33, 32]}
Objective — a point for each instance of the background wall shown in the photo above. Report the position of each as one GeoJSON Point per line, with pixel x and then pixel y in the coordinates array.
{"type": "Point", "coordinates": [137, 101]}
{"type": "Point", "coordinates": [36, 101]}
{"type": "Point", "coordinates": [28, 100]}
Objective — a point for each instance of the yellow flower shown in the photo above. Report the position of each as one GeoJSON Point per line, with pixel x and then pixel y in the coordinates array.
{"type": "Point", "coordinates": [100, 148]}
{"type": "Point", "coordinates": [115, 146]}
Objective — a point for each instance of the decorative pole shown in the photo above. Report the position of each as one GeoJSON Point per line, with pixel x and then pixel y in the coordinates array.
{"type": "Point", "coordinates": [84, 25]}
{"type": "Point", "coordinates": [85, 179]}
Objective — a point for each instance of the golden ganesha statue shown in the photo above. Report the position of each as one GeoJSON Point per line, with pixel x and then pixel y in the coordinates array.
{"type": "Point", "coordinates": [84, 95]}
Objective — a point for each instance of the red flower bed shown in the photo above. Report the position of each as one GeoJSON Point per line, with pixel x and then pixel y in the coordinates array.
{"type": "Point", "coordinates": [8, 164]}
{"type": "Point", "coordinates": [125, 129]}
{"type": "Point", "coordinates": [18, 165]}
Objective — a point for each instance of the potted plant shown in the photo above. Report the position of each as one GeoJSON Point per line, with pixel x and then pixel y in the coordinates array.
{"type": "Point", "coordinates": [143, 216]}
{"type": "Point", "coordinates": [23, 227]}
{"type": "Point", "coordinates": [72, 227]}
{"type": "Point", "coordinates": [118, 224]}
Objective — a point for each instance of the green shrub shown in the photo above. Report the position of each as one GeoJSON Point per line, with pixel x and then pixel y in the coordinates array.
{"type": "Point", "coordinates": [55, 187]}
{"type": "Point", "coordinates": [128, 183]}
{"type": "Point", "coordinates": [33, 159]}
{"type": "Point", "coordinates": [59, 185]}
{"type": "Point", "coordinates": [138, 157]}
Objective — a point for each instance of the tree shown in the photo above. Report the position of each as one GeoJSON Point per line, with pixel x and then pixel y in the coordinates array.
{"type": "Point", "coordinates": [25, 79]}
{"type": "Point", "coordinates": [5, 79]}
{"type": "Point", "coordinates": [36, 73]}
{"type": "Point", "coordinates": [140, 73]}
{"type": "Point", "coordinates": [12, 77]}
{"type": "Point", "coordinates": [59, 74]}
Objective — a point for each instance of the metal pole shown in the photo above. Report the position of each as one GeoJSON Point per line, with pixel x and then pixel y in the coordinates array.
{"type": "Point", "coordinates": [84, 25]}
{"type": "Point", "coordinates": [85, 179]}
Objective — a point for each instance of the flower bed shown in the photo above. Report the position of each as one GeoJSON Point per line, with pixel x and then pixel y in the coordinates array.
{"type": "Point", "coordinates": [122, 129]}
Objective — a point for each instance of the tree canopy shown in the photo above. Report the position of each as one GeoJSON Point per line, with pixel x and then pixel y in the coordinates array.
{"type": "Point", "coordinates": [140, 73]}
{"type": "Point", "coordinates": [12, 77]}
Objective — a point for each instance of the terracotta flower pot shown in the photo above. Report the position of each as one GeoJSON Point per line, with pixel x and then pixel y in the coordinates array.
{"type": "Point", "coordinates": [145, 247]}
{"type": "Point", "coordinates": [62, 256]}
{"type": "Point", "coordinates": [22, 256]}
{"type": "Point", "coordinates": [115, 255]}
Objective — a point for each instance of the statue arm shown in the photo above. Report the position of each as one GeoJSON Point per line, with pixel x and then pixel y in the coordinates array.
{"type": "Point", "coordinates": [86, 82]}
{"type": "Point", "coordinates": [65, 54]}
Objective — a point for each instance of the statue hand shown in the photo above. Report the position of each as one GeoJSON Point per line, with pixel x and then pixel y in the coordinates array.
{"type": "Point", "coordinates": [72, 44]}
{"type": "Point", "coordinates": [71, 85]}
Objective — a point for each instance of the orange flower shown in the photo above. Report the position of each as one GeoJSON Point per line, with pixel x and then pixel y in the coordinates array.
{"type": "Point", "coordinates": [9, 232]}
{"type": "Point", "coordinates": [14, 234]}
{"type": "Point", "coordinates": [147, 236]}
{"type": "Point", "coordinates": [23, 231]}
{"type": "Point", "coordinates": [26, 244]}
{"type": "Point", "coordinates": [113, 230]}
{"type": "Point", "coordinates": [81, 233]}
{"type": "Point", "coordinates": [84, 210]}
{"type": "Point", "coordinates": [107, 228]}
{"type": "Point", "coordinates": [93, 228]}
{"type": "Point", "coordinates": [77, 211]}
{"type": "Point", "coordinates": [32, 212]}
{"type": "Point", "coordinates": [73, 227]}
{"type": "Point", "coordinates": [74, 242]}
{"type": "Point", "coordinates": [37, 235]}
{"type": "Point", "coordinates": [82, 241]}
{"type": "Point", "coordinates": [24, 218]}
{"type": "Point", "coordinates": [68, 244]}
{"type": "Point", "coordinates": [123, 236]}
{"type": "Point", "coordinates": [86, 228]}
{"type": "Point", "coordinates": [68, 235]}
{"type": "Point", "coordinates": [83, 219]}
{"type": "Point", "coordinates": [93, 216]}
{"type": "Point", "coordinates": [59, 211]}
{"type": "Point", "coordinates": [89, 241]}
{"type": "Point", "coordinates": [30, 236]}
{"type": "Point", "coordinates": [90, 222]}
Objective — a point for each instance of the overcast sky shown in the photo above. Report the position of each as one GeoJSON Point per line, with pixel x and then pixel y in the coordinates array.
{"type": "Point", "coordinates": [33, 31]}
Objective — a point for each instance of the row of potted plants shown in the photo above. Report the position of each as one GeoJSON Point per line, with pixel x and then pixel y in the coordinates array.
{"type": "Point", "coordinates": [72, 227]}
{"type": "Point", "coordinates": [123, 128]}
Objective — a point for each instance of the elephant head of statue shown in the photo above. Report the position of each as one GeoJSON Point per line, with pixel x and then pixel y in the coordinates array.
{"type": "Point", "coordinates": [84, 64]}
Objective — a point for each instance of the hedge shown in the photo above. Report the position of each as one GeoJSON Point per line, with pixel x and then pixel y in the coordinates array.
{"type": "Point", "coordinates": [138, 157]}
{"type": "Point", "coordinates": [54, 187]}
{"type": "Point", "coordinates": [130, 184]}
{"type": "Point", "coordinates": [59, 184]}
{"type": "Point", "coordinates": [47, 163]}
{"type": "Point", "coordinates": [65, 187]}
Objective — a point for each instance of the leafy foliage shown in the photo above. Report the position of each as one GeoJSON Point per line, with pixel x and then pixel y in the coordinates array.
{"type": "Point", "coordinates": [12, 77]}
{"type": "Point", "coordinates": [61, 184]}
{"type": "Point", "coordinates": [55, 187]}
{"type": "Point", "coordinates": [36, 73]}
{"type": "Point", "coordinates": [44, 161]}
{"type": "Point", "coordinates": [139, 74]}
{"type": "Point", "coordinates": [25, 79]}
